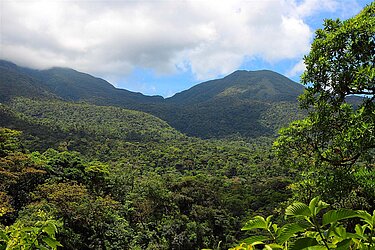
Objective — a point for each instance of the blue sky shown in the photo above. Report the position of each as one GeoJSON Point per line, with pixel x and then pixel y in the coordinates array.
{"type": "Point", "coordinates": [163, 47]}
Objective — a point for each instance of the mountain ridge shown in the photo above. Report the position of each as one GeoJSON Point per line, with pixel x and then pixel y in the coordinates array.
{"type": "Point", "coordinates": [237, 104]}
{"type": "Point", "coordinates": [46, 74]}
{"type": "Point", "coordinates": [73, 85]}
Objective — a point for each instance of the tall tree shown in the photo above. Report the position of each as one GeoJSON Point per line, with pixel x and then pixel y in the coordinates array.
{"type": "Point", "coordinates": [335, 142]}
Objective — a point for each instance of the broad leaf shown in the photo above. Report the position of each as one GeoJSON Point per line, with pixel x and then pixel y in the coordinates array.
{"type": "Point", "coordinates": [360, 230]}
{"type": "Point", "coordinates": [298, 209]}
{"type": "Point", "coordinates": [289, 230]}
{"type": "Point", "coordinates": [317, 247]}
{"type": "Point", "coordinates": [275, 246]}
{"type": "Point", "coordinates": [51, 242]}
{"type": "Point", "coordinates": [340, 231]}
{"type": "Point", "coordinates": [257, 223]}
{"type": "Point", "coordinates": [366, 217]}
{"type": "Point", "coordinates": [316, 205]}
{"type": "Point", "coordinates": [50, 229]}
{"type": "Point", "coordinates": [253, 239]}
{"type": "Point", "coordinates": [336, 215]}
{"type": "Point", "coordinates": [344, 245]}
{"type": "Point", "coordinates": [303, 243]}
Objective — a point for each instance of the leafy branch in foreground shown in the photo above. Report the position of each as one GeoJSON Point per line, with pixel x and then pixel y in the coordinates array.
{"type": "Point", "coordinates": [40, 235]}
{"type": "Point", "coordinates": [311, 229]}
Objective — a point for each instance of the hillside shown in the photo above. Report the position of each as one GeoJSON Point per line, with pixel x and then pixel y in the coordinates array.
{"type": "Point", "coordinates": [14, 83]}
{"type": "Point", "coordinates": [71, 85]}
{"type": "Point", "coordinates": [244, 103]}
{"type": "Point", "coordinates": [67, 120]}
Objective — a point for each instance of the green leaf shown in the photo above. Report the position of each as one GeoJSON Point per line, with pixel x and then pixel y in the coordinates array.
{"type": "Point", "coordinates": [298, 209]}
{"type": "Point", "coordinates": [317, 247]}
{"type": "Point", "coordinates": [3, 236]}
{"type": "Point", "coordinates": [366, 217]}
{"type": "Point", "coordinates": [257, 223]}
{"type": "Point", "coordinates": [287, 231]}
{"type": "Point", "coordinates": [336, 215]}
{"type": "Point", "coordinates": [316, 205]}
{"type": "Point", "coordinates": [344, 245]}
{"type": "Point", "coordinates": [268, 221]}
{"type": "Point", "coordinates": [51, 242]}
{"type": "Point", "coordinates": [303, 243]}
{"type": "Point", "coordinates": [275, 246]}
{"type": "Point", "coordinates": [340, 231]}
{"type": "Point", "coordinates": [50, 229]}
{"type": "Point", "coordinates": [360, 229]}
{"type": "Point", "coordinates": [253, 239]}
{"type": "Point", "coordinates": [29, 229]}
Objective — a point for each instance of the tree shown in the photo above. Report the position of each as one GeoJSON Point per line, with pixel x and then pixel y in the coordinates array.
{"type": "Point", "coordinates": [336, 140]}
{"type": "Point", "coordinates": [9, 141]}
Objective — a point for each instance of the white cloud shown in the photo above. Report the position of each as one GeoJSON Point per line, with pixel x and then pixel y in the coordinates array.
{"type": "Point", "coordinates": [297, 69]}
{"type": "Point", "coordinates": [308, 7]}
{"type": "Point", "coordinates": [111, 38]}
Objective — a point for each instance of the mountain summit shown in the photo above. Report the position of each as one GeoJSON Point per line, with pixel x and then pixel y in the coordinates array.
{"type": "Point", "coordinates": [263, 85]}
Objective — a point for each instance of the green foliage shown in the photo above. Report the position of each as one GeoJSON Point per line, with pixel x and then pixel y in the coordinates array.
{"type": "Point", "coordinates": [122, 179]}
{"type": "Point", "coordinates": [85, 119]}
{"type": "Point", "coordinates": [39, 233]}
{"type": "Point", "coordinates": [312, 232]}
{"type": "Point", "coordinates": [176, 194]}
{"type": "Point", "coordinates": [341, 59]}
{"type": "Point", "coordinates": [9, 141]}
{"type": "Point", "coordinates": [246, 103]}
{"type": "Point", "coordinates": [14, 83]}
{"type": "Point", "coordinates": [336, 141]}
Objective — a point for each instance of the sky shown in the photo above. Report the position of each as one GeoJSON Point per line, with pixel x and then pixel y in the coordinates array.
{"type": "Point", "coordinates": [160, 47]}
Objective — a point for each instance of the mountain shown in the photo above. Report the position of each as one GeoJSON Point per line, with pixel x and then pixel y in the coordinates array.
{"type": "Point", "coordinates": [244, 103]}
{"type": "Point", "coordinates": [263, 85]}
{"type": "Point", "coordinates": [14, 83]}
{"type": "Point", "coordinates": [69, 85]}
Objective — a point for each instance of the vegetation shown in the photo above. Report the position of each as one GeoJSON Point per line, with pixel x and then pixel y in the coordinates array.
{"type": "Point", "coordinates": [241, 104]}
{"type": "Point", "coordinates": [333, 146]}
{"type": "Point", "coordinates": [81, 176]}
{"type": "Point", "coordinates": [131, 191]}
{"type": "Point", "coordinates": [311, 230]}
{"type": "Point", "coordinates": [335, 143]}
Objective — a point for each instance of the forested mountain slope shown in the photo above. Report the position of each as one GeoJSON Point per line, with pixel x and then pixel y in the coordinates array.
{"type": "Point", "coordinates": [71, 85]}
{"type": "Point", "coordinates": [246, 103]}
{"type": "Point", "coordinates": [14, 83]}
{"type": "Point", "coordinates": [85, 120]}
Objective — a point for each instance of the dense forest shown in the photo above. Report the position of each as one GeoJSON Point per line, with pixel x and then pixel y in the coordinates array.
{"type": "Point", "coordinates": [151, 186]}
{"type": "Point", "coordinates": [103, 168]}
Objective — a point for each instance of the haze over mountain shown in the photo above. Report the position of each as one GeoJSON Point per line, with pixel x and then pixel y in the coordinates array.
{"type": "Point", "coordinates": [244, 103]}
{"type": "Point", "coordinates": [67, 84]}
